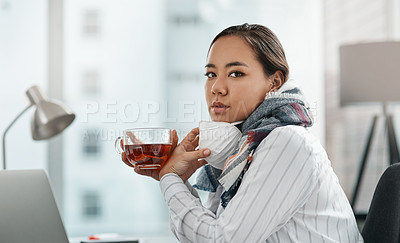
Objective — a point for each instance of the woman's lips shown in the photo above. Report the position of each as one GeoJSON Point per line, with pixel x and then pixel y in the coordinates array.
{"type": "Point", "coordinates": [218, 110]}
{"type": "Point", "coordinates": [218, 107]}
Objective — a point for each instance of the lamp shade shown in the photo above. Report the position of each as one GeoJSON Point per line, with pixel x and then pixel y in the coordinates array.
{"type": "Point", "coordinates": [51, 117]}
{"type": "Point", "coordinates": [369, 72]}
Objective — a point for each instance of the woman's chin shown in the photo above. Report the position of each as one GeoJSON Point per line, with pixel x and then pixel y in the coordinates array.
{"type": "Point", "coordinates": [219, 119]}
{"type": "Point", "coordinates": [226, 118]}
{"type": "Point", "coordinates": [223, 119]}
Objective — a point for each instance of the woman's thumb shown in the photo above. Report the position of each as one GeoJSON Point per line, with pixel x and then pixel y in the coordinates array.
{"type": "Point", "coordinates": [198, 154]}
{"type": "Point", "coordinates": [204, 153]}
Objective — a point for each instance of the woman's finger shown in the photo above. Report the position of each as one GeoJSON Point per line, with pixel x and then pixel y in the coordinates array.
{"type": "Point", "coordinates": [175, 139]}
{"type": "Point", "coordinates": [138, 170]}
{"type": "Point", "coordinates": [125, 159]}
{"type": "Point", "coordinates": [134, 139]}
{"type": "Point", "coordinates": [201, 162]}
{"type": "Point", "coordinates": [192, 145]}
{"type": "Point", "coordinates": [189, 139]}
{"type": "Point", "coordinates": [191, 135]}
{"type": "Point", "coordinates": [151, 173]}
{"type": "Point", "coordinates": [142, 172]}
{"type": "Point", "coordinates": [195, 142]}
{"type": "Point", "coordinates": [197, 154]}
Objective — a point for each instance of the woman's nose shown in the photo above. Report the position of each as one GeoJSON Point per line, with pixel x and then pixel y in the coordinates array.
{"type": "Point", "coordinates": [219, 87]}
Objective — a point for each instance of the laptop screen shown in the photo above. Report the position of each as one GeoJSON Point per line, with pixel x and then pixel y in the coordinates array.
{"type": "Point", "coordinates": [28, 211]}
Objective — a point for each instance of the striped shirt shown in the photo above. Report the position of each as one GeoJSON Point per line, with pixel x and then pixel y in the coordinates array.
{"type": "Point", "coordinates": [289, 194]}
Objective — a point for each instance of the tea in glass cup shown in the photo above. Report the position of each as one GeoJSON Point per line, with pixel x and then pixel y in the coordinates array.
{"type": "Point", "coordinates": [147, 148]}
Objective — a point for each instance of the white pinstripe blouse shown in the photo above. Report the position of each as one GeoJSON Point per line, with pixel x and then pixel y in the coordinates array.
{"type": "Point", "coordinates": [289, 194]}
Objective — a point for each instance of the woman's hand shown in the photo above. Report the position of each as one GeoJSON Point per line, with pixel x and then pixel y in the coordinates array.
{"type": "Point", "coordinates": [185, 160]}
{"type": "Point", "coordinates": [152, 173]}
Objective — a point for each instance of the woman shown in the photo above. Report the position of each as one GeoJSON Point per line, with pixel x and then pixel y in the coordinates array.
{"type": "Point", "coordinates": [269, 178]}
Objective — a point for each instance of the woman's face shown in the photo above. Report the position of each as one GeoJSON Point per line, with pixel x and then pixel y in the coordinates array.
{"type": "Point", "coordinates": [236, 83]}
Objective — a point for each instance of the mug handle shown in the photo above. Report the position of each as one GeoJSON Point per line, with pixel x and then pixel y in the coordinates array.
{"type": "Point", "coordinates": [117, 145]}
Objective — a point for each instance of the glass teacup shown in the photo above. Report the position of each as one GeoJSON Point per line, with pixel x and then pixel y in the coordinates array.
{"type": "Point", "coordinates": [148, 148]}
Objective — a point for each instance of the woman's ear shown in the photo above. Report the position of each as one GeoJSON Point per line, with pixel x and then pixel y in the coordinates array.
{"type": "Point", "coordinates": [277, 80]}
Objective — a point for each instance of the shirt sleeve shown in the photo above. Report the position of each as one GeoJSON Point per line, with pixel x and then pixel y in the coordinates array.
{"type": "Point", "coordinates": [277, 184]}
{"type": "Point", "coordinates": [192, 189]}
{"type": "Point", "coordinates": [194, 192]}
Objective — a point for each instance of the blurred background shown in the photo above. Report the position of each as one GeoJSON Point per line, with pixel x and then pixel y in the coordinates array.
{"type": "Point", "coordinates": [140, 63]}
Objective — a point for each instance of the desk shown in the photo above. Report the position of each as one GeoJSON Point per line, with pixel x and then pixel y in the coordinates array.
{"type": "Point", "coordinates": [159, 239]}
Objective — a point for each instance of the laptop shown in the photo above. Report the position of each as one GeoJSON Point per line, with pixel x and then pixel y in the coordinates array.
{"type": "Point", "coordinates": [28, 211]}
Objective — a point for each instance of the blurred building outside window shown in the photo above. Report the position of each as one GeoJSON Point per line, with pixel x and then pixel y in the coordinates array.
{"type": "Point", "coordinates": [91, 205]}
{"type": "Point", "coordinates": [91, 84]}
{"type": "Point", "coordinates": [91, 24]}
{"type": "Point", "coordinates": [91, 143]}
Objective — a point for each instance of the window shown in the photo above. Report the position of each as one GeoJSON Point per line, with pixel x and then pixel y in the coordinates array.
{"type": "Point", "coordinates": [91, 82]}
{"type": "Point", "coordinates": [185, 19]}
{"type": "Point", "coordinates": [5, 5]}
{"type": "Point", "coordinates": [91, 26]}
{"type": "Point", "coordinates": [185, 76]}
{"type": "Point", "coordinates": [91, 145]}
{"type": "Point", "coordinates": [91, 205]}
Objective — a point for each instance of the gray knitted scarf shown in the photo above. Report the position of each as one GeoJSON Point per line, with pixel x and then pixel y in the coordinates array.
{"type": "Point", "coordinates": [285, 107]}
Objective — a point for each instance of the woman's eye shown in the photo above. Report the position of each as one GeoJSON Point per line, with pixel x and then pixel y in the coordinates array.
{"type": "Point", "coordinates": [209, 74]}
{"type": "Point", "coordinates": [236, 74]}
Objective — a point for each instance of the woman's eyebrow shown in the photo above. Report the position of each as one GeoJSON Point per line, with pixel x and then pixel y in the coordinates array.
{"type": "Point", "coordinates": [231, 64]}
{"type": "Point", "coordinates": [209, 65]}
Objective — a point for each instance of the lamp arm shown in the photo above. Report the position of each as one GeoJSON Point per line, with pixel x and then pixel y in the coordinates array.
{"type": "Point", "coordinates": [5, 132]}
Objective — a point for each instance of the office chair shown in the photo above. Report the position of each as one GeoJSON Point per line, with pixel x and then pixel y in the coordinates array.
{"type": "Point", "coordinates": [383, 220]}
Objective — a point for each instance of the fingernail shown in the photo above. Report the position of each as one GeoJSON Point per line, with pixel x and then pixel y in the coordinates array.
{"type": "Point", "coordinates": [206, 152]}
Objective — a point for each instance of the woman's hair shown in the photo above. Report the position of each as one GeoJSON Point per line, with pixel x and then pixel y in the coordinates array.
{"type": "Point", "coordinates": [266, 46]}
